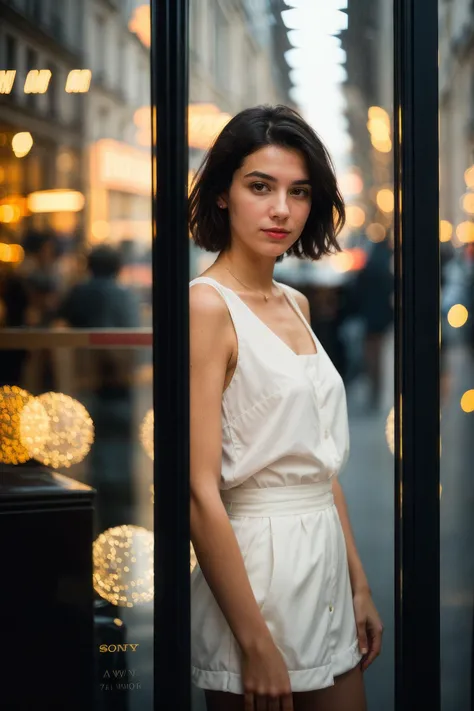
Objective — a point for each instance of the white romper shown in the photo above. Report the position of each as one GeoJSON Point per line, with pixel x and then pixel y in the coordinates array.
{"type": "Point", "coordinates": [284, 436]}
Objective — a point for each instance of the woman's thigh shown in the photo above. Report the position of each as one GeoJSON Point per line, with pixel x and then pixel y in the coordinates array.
{"type": "Point", "coordinates": [347, 694]}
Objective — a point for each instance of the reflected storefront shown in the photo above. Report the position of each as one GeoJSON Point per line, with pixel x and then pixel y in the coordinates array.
{"type": "Point", "coordinates": [107, 109]}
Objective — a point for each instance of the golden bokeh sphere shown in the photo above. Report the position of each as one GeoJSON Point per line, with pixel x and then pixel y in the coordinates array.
{"type": "Point", "coordinates": [13, 400]}
{"type": "Point", "coordinates": [390, 430]}
{"type": "Point", "coordinates": [457, 315]}
{"type": "Point", "coordinates": [147, 437]}
{"type": "Point", "coordinates": [467, 401]}
{"type": "Point", "coordinates": [71, 431]}
{"type": "Point", "coordinates": [123, 565]}
{"type": "Point", "coordinates": [445, 231]}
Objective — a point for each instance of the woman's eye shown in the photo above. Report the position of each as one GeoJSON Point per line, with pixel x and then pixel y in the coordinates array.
{"type": "Point", "coordinates": [259, 187]}
{"type": "Point", "coordinates": [301, 192]}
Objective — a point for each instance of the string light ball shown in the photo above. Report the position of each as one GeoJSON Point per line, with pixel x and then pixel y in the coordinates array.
{"type": "Point", "coordinates": [123, 565]}
{"type": "Point", "coordinates": [147, 434]}
{"type": "Point", "coordinates": [71, 431]}
{"type": "Point", "coordinates": [14, 438]}
{"type": "Point", "coordinates": [34, 427]}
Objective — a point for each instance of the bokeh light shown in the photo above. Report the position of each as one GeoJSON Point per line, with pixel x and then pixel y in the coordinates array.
{"type": "Point", "coordinates": [390, 430]}
{"type": "Point", "coordinates": [445, 231]}
{"type": "Point", "coordinates": [457, 315]}
{"type": "Point", "coordinates": [385, 200]}
{"type": "Point", "coordinates": [71, 431]}
{"type": "Point", "coordinates": [467, 401]}
{"type": "Point", "coordinates": [13, 447]}
{"type": "Point", "coordinates": [376, 232]}
{"type": "Point", "coordinates": [147, 435]}
{"type": "Point", "coordinates": [123, 565]}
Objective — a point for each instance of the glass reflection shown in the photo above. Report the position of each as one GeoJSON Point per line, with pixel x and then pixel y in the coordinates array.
{"type": "Point", "coordinates": [75, 253]}
{"type": "Point", "coordinates": [332, 61]}
{"type": "Point", "coordinates": [456, 87]}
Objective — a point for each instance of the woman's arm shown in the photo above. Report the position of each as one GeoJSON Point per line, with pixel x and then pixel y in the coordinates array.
{"type": "Point", "coordinates": [215, 544]}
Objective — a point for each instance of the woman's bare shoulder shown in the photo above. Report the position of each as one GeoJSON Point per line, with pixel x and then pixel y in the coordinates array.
{"type": "Point", "coordinates": [300, 299]}
{"type": "Point", "coordinates": [205, 300]}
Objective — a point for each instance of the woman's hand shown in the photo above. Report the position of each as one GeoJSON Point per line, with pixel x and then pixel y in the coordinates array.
{"type": "Point", "coordinates": [265, 678]}
{"type": "Point", "coordinates": [369, 627]}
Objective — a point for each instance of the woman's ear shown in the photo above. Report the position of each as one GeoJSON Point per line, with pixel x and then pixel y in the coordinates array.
{"type": "Point", "coordinates": [221, 203]}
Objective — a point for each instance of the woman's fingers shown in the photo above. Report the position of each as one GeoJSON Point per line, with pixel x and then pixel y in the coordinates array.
{"type": "Point", "coordinates": [362, 636]}
{"type": "Point", "coordinates": [375, 646]}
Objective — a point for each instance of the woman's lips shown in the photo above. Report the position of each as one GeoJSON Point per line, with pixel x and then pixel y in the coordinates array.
{"type": "Point", "coordinates": [276, 234]}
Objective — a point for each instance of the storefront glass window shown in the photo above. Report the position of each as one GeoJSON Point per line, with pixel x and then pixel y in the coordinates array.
{"type": "Point", "coordinates": [333, 62]}
{"type": "Point", "coordinates": [75, 302]}
{"type": "Point", "coordinates": [456, 234]}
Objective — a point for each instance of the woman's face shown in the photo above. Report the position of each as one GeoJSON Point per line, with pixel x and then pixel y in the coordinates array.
{"type": "Point", "coordinates": [269, 201]}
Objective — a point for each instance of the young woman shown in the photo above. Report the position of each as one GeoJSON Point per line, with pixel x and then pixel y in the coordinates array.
{"type": "Point", "coordinates": [282, 614]}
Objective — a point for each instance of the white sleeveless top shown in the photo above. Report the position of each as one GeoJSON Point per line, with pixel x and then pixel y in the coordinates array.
{"type": "Point", "coordinates": [285, 435]}
{"type": "Point", "coordinates": [284, 416]}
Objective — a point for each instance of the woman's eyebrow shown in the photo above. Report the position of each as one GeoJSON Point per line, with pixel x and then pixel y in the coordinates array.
{"type": "Point", "coordinates": [265, 176]}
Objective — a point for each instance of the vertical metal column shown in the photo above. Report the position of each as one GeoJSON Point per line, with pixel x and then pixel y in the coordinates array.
{"type": "Point", "coordinates": [417, 355]}
{"type": "Point", "coordinates": [169, 72]}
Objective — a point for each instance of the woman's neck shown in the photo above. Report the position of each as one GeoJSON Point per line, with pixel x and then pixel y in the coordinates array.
{"type": "Point", "coordinates": [255, 274]}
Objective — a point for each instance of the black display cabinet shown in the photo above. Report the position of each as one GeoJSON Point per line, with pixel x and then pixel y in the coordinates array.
{"type": "Point", "coordinates": [46, 592]}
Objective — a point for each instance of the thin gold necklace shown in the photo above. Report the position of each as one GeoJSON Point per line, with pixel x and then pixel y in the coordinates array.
{"type": "Point", "coordinates": [248, 287]}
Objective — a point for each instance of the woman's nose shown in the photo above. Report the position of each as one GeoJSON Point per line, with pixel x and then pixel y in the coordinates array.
{"type": "Point", "coordinates": [280, 208]}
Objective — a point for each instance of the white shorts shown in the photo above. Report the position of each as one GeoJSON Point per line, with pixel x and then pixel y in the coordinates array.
{"type": "Point", "coordinates": [295, 556]}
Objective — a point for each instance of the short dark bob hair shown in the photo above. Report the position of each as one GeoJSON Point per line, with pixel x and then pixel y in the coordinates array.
{"type": "Point", "coordinates": [246, 133]}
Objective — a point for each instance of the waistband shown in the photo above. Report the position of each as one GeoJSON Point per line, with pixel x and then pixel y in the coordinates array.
{"type": "Point", "coordinates": [278, 500]}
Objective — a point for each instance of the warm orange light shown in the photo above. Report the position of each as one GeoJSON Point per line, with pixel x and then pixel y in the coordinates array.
{"type": "Point", "coordinates": [22, 143]}
{"type": "Point", "coordinates": [205, 122]}
{"type": "Point", "coordinates": [37, 81]}
{"type": "Point", "coordinates": [467, 401]}
{"type": "Point", "coordinates": [11, 253]}
{"type": "Point", "coordinates": [467, 202]}
{"type": "Point", "coordinates": [140, 24]}
{"type": "Point", "coordinates": [465, 232]}
{"type": "Point", "coordinates": [118, 166]}
{"type": "Point", "coordinates": [445, 231]}
{"type": "Point", "coordinates": [7, 79]}
{"type": "Point", "coordinates": [7, 213]}
{"type": "Point", "coordinates": [469, 177]}
{"type": "Point", "coordinates": [457, 315]}
{"type": "Point", "coordinates": [100, 230]}
{"type": "Point", "coordinates": [349, 260]}
{"type": "Point", "coordinates": [385, 200]}
{"type": "Point", "coordinates": [377, 113]}
{"type": "Point", "coordinates": [376, 232]}
{"type": "Point", "coordinates": [382, 145]}
{"type": "Point", "coordinates": [355, 216]}
{"type": "Point", "coordinates": [55, 201]}
{"type": "Point", "coordinates": [378, 126]}
{"type": "Point", "coordinates": [379, 129]}
{"type": "Point", "coordinates": [78, 81]}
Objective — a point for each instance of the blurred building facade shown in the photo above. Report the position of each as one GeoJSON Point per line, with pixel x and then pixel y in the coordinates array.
{"type": "Point", "coordinates": [368, 91]}
{"type": "Point", "coordinates": [35, 36]}
{"type": "Point", "coordinates": [456, 80]}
